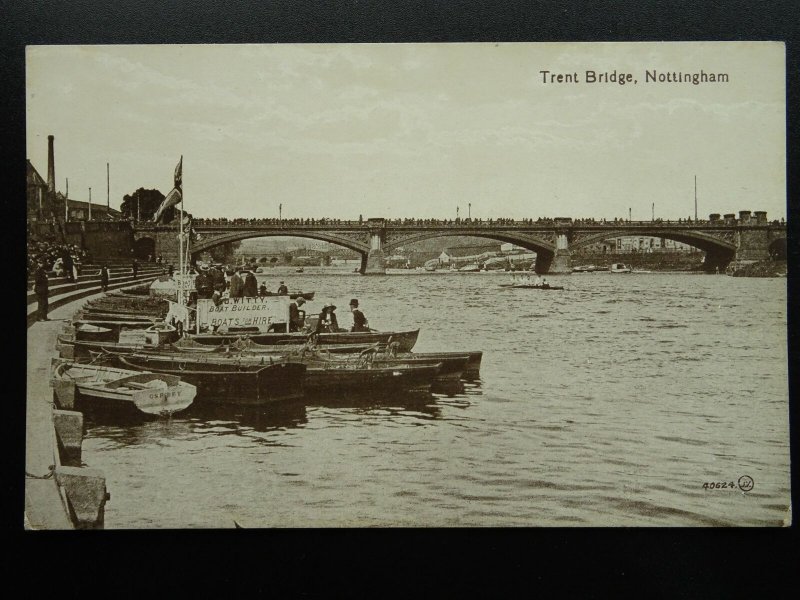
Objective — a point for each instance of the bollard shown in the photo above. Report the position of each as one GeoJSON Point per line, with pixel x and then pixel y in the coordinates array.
{"type": "Point", "coordinates": [66, 351]}
{"type": "Point", "coordinates": [64, 393]}
{"type": "Point", "coordinates": [86, 495]}
{"type": "Point", "coordinates": [69, 434]}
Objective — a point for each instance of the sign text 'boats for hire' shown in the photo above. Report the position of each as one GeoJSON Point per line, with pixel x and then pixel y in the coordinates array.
{"type": "Point", "coordinates": [243, 312]}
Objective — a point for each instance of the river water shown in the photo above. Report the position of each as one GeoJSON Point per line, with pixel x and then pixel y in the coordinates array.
{"type": "Point", "coordinates": [611, 403]}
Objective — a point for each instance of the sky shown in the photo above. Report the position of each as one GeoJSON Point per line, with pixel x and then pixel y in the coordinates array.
{"type": "Point", "coordinates": [416, 130]}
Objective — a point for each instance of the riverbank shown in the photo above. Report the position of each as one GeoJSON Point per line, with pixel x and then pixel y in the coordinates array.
{"type": "Point", "coordinates": [764, 268]}
{"type": "Point", "coordinates": [60, 493]}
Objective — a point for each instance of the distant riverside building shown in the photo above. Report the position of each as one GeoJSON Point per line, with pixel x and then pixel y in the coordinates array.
{"type": "Point", "coordinates": [45, 204]}
{"type": "Point", "coordinates": [39, 204]}
{"type": "Point", "coordinates": [637, 244]}
{"type": "Point", "coordinates": [79, 210]}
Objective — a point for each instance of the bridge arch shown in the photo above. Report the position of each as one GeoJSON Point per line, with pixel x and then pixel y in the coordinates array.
{"type": "Point", "coordinates": [777, 249]}
{"type": "Point", "coordinates": [698, 239]}
{"type": "Point", "coordinates": [527, 241]}
{"type": "Point", "coordinates": [718, 251]}
{"type": "Point", "coordinates": [206, 243]}
{"type": "Point", "coordinates": [144, 247]}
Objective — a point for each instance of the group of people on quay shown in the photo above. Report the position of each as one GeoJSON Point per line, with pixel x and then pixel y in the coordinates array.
{"type": "Point", "coordinates": [63, 259]}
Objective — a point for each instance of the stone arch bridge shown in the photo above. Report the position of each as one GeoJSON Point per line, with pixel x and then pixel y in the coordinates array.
{"type": "Point", "coordinates": [748, 238]}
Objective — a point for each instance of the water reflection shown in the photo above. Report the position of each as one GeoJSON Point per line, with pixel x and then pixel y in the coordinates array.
{"type": "Point", "coordinates": [419, 404]}
{"type": "Point", "coordinates": [282, 415]}
{"type": "Point", "coordinates": [134, 428]}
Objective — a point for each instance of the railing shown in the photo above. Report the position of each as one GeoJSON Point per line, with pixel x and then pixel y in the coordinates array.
{"type": "Point", "coordinates": [332, 224]}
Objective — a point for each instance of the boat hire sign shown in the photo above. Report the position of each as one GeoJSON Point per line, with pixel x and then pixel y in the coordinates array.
{"type": "Point", "coordinates": [243, 312]}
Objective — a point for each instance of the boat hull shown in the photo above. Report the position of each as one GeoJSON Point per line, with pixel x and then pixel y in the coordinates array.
{"type": "Point", "coordinates": [100, 387]}
{"type": "Point", "coordinates": [292, 295]}
{"type": "Point", "coordinates": [404, 339]}
{"type": "Point", "coordinates": [523, 286]}
{"type": "Point", "coordinates": [229, 383]}
{"type": "Point", "coordinates": [472, 369]}
{"type": "Point", "coordinates": [332, 380]}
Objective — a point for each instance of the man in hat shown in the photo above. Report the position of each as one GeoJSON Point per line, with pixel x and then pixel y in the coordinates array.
{"type": "Point", "coordinates": [283, 290]}
{"type": "Point", "coordinates": [295, 322]}
{"type": "Point", "coordinates": [237, 285]}
{"type": "Point", "coordinates": [217, 278]}
{"type": "Point", "coordinates": [250, 285]}
{"type": "Point", "coordinates": [40, 286]}
{"type": "Point", "coordinates": [203, 285]}
{"type": "Point", "coordinates": [359, 320]}
{"type": "Point", "coordinates": [104, 277]}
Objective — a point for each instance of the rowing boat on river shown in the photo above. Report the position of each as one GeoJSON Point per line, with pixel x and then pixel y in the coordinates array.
{"type": "Point", "coordinates": [531, 286]}
{"type": "Point", "coordinates": [319, 376]}
{"type": "Point", "coordinates": [404, 339]}
{"type": "Point", "coordinates": [150, 393]}
{"type": "Point", "coordinates": [471, 370]}
{"type": "Point", "coordinates": [292, 295]}
{"type": "Point", "coordinates": [228, 382]}
{"type": "Point", "coordinates": [525, 282]}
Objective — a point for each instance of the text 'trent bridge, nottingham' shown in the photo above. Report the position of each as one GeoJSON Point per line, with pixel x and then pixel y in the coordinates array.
{"type": "Point", "coordinates": [746, 238]}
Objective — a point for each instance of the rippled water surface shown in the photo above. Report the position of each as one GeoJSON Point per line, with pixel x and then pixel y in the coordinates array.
{"type": "Point", "coordinates": [610, 403]}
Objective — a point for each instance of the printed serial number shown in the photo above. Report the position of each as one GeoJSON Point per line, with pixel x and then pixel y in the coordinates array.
{"type": "Point", "coordinates": [745, 483]}
{"type": "Point", "coordinates": [718, 485]}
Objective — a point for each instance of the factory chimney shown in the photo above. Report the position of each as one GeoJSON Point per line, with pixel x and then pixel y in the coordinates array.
{"type": "Point", "coordinates": [51, 167]}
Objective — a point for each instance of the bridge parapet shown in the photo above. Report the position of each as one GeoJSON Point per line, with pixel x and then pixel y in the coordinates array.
{"type": "Point", "coordinates": [723, 238]}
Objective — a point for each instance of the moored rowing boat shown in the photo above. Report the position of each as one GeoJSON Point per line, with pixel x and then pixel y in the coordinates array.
{"type": "Point", "coordinates": [150, 393]}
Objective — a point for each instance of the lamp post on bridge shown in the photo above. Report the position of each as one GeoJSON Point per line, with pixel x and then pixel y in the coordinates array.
{"type": "Point", "coordinates": [469, 211]}
{"type": "Point", "coordinates": [456, 212]}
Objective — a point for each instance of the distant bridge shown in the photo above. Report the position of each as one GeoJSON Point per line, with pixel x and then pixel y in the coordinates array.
{"type": "Point", "coordinates": [748, 238]}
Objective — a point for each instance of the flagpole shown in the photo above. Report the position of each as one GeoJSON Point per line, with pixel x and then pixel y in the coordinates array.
{"type": "Point", "coordinates": [180, 240]}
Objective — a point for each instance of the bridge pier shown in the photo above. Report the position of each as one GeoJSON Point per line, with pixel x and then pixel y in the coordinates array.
{"type": "Point", "coordinates": [562, 259]}
{"type": "Point", "coordinates": [374, 262]}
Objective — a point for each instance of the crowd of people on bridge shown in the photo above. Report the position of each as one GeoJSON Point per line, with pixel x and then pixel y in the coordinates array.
{"type": "Point", "coordinates": [457, 222]}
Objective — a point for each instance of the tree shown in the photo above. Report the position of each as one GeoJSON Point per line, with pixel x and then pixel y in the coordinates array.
{"type": "Point", "coordinates": [224, 252]}
{"type": "Point", "coordinates": [143, 204]}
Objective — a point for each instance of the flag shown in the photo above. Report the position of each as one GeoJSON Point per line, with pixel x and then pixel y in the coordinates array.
{"type": "Point", "coordinates": [179, 175]}
{"type": "Point", "coordinates": [175, 196]}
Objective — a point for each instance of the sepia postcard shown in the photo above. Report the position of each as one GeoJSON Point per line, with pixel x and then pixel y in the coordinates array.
{"type": "Point", "coordinates": [407, 285]}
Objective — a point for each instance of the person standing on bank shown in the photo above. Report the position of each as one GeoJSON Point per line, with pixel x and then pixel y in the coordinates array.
{"type": "Point", "coordinates": [237, 285]}
{"type": "Point", "coordinates": [250, 285]}
{"type": "Point", "coordinates": [218, 279]}
{"type": "Point", "coordinates": [68, 265]}
{"type": "Point", "coordinates": [359, 320]}
{"type": "Point", "coordinates": [295, 322]}
{"type": "Point", "coordinates": [40, 286]}
{"type": "Point", "coordinates": [283, 290]}
{"type": "Point", "coordinates": [135, 268]}
{"type": "Point", "coordinates": [104, 278]}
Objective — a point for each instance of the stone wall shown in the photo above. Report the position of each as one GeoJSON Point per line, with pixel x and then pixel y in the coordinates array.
{"type": "Point", "coordinates": [650, 261]}
{"type": "Point", "coordinates": [103, 240]}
